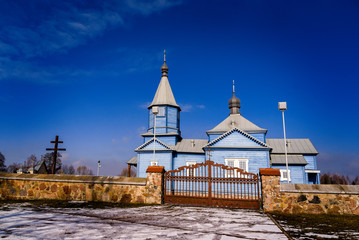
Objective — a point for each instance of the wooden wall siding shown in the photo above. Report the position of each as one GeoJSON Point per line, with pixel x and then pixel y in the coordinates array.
{"type": "Point", "coordinates": [211, 137]}
{"type": "Point", "coordinates": [297, 173]}
{"type": "Point", "coordinates": [165, 124]}
{"type": "Point", "coordinates": [172, 140]}
{"type": "Point", "coordinates": [259, 136]}
{"type": "Point", "coordinates": [312, 162]}
{"type": "Point", "coordinates": [150, 119]}
{"type": "Point", "coordinates": [256, 159]}
{"type": "Point", "coordinates": [181, 159]}
{"type": "Point", "coordinates": [236, 139]}
{"type": "Point", "coordinates": [145, 158]}
{"type": "Point", "coordinates": [172, 120]}
{"type": "Point", "coordinates": [159, 146]}
{"type": "Point", "coordinates": [169, 140]}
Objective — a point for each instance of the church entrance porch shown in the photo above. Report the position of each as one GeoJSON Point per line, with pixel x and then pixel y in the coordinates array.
{"type": "Point", "coordinates": [212, 184]}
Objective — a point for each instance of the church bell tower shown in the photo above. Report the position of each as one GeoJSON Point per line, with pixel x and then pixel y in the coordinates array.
{"type": "Point", "coordinates": [167, 112]}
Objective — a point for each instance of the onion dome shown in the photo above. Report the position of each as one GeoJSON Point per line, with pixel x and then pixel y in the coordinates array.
{"type": "Point", "coordinates": [234, 103]}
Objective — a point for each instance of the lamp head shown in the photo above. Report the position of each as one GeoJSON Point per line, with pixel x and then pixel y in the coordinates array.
{"type": "Point", "coordinates": [155, 110]}
{"type": "Point", "coordinates": [282, 106]}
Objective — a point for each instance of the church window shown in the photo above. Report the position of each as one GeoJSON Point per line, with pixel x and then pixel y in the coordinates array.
{"type": "Point", "coordinates": [284, 176]}
{"type": "Point", "coordinates": [191, 172]}
{"type": "Point", "coordinates": [154, 163]}
{"type": "Point", "coordinates": [236, 163]}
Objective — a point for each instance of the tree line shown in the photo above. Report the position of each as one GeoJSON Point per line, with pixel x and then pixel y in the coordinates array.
{"type": "Point", "coordinates": [31, 162]}
{"type": "Point", "coordinates": [328, 178]}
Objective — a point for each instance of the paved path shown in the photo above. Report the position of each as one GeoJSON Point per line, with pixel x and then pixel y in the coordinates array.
{"type": "Point", "coordinates": [22, 221]}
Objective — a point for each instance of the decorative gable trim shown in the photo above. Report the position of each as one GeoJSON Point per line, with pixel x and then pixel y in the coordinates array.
{"type": "Point", "coordinates": [239, 131]}
{"type": "Point", "coordinates": [150, 141]}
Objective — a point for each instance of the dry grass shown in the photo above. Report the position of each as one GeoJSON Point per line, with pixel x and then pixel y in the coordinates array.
{"type": "Point", "coordinates": [302, 226]}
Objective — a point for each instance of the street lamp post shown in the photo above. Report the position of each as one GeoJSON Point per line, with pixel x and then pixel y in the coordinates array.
{"type": "Point", "coordinates": [282, 106]}
{"type": "Point", "coordinates": [98, 167]}
{"type": "Point", "coordinates": [155, 112]}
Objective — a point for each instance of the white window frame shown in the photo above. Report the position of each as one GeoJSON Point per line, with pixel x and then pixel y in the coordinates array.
{"type": "Point", "coordinates": [154, 163]}
{"type": "Point", "coordinates": [188, 173]}
{"type": "Point", "coordinates": [282, 178]}
{"type": "Point", "coordinates": [236, 163]}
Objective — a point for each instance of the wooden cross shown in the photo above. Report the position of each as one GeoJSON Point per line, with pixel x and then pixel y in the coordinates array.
{"type": "Point", "coordinates": [55, 149]}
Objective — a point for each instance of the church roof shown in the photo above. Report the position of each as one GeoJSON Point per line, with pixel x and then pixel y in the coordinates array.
{"type": "Point", "coordinates": [164, 94]}
{"type": "Point", "coordinates": [132, 161]}
{"type": "Point", "coordinates": [150, 141]}
{"type": "Point", "coordinates": [295, 146]}
{"type": "Point", "coordinates": [150, 134]}
{"type": "Point", "coordinates": [191, 145]}
{"type": "Point", "coordinates": [37, 167]}
{"type": "Point", "coordinates": [292, 159]}
{"type": "Point", "coordinates": [236, 121]}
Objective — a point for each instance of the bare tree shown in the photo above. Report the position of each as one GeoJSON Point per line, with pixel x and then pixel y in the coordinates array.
{"type": "Point", "coordinates": [2, 163]}
{"type": "Point", "coordinates": [356, 181]}
{"type": "Point", "coordinates": [71, 170]}
{"type": "Point", "coordinates": [13, 167]}
{"type": "Point", "coordinates": [48, 158]}
{"type": "Point", "coordinates": [31, 161]}
{"type": "Point", "coordinates": [83, 170]}
{"type": "Point", "coordinates": [328, 178]}
{"type": "Point", "coordinates": [124, 173]}
{"type": "Point", "coordinates": [66, 169]}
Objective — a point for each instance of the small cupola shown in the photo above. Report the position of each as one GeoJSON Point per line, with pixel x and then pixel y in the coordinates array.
{"type": "Point", "coordinates": [234, 103]}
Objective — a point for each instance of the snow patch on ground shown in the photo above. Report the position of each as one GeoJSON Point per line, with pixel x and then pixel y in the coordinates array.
{"type": "Point", "coordinates": [22, 221]}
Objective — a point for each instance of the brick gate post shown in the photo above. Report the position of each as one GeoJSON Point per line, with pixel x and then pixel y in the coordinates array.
{"type": "Point", "coordinates": [155, 184]}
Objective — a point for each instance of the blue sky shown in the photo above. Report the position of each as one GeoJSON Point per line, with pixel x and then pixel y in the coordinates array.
{"type": "Point", "coordinates": [87, 72]}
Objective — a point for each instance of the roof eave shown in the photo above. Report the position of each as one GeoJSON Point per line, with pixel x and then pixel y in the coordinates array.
{"type": "Point", "coordinates": [164, 104]}
{"type": "Point", "coordinates": [209, 132]}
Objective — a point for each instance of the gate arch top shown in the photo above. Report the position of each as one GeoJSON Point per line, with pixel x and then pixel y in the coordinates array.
{"type": "Point", "coordinates": [212, 184]}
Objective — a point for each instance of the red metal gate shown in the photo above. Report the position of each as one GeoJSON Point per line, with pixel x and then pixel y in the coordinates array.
{"type": "Point", "coordinates": [212, 184]}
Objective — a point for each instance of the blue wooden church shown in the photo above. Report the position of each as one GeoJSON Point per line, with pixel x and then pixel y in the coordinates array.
{"type": "Point", "coordinates": [235, 142]}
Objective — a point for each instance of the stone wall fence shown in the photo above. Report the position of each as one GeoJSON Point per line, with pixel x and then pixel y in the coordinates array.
{"type": "Point", "coordinates": [84, 188]}
{"type": "Point", "coordinates": [307, 198]}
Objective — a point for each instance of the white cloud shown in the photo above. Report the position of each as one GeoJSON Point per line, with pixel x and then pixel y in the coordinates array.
{"type": "Point", "coordinates": [148, 7]}
{"type": "Point", "coordinates": [186, 107]}
{"type": "Point", "coordinates": [190, 107]}
{"type": "Point", "coordinates": [66, 24]}
{"type": "Point", "coordinates": [125, 139]}
{"type": "Point", "coordinates": [65, 158]}
{"type": "Point", "coordinates": [145, 105]}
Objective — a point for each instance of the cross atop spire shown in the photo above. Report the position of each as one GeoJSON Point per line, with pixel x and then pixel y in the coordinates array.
{"type": "Point", "coordinates": [233, 88]}
{"type": "Point", "coordinates": [164, 67]}
{"type": "Point", "coordinates": [164, 95]}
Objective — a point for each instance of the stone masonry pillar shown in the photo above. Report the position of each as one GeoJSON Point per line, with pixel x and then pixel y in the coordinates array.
{"type": "Point", "coordinates": [270, 179]}
{"type": "Point", "coordinates": [155, 184]}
